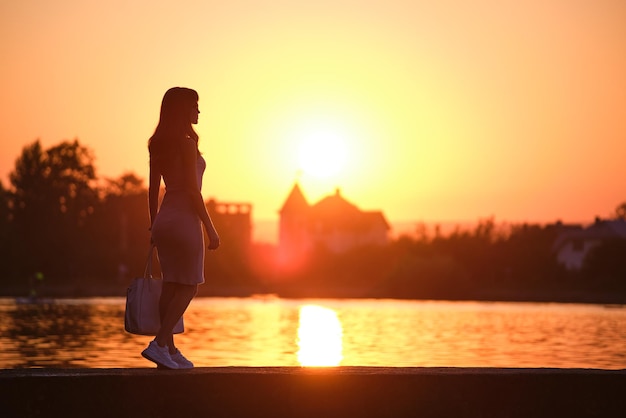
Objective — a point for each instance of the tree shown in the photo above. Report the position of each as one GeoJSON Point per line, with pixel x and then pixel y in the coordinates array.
{"type": "Point", "coordinates": [52, 198]}
{"type": "Point", "coordinates": [121, 227]}
{"type": "Point", "coordinates": [604, 267]}
{"type": "Point", "coordinates": [5, 225]}
{"type": "Point", "coordinates": [620, 211]}
{"type": "Point", "coordinates": [128, 184]}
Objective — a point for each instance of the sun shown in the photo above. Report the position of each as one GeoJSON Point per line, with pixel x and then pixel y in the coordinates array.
{"type": "Point", "coordinates": [322, 152]}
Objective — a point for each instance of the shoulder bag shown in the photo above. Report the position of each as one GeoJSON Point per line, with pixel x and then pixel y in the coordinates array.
{"type": "Point", "coordinates": [142, 304]}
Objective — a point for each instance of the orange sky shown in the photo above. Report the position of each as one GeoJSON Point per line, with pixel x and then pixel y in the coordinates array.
{"type": "Point", "coordinates": [445, 110]}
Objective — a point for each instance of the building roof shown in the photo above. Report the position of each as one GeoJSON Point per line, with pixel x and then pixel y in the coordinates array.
{"type": "Point", "coordinates": [334, 206]}
{"type": "Point", "coordinates": [296, 202]}
{"type": "Point", "coordinates": [600, 230]}
{"type": "Point", "coordinates": [376, 217]}
{"type": "Point", "coordinates": [335, 212]}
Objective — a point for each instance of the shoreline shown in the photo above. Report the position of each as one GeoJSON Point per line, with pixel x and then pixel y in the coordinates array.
{"type": "Point", "coordinates": [205, 290]}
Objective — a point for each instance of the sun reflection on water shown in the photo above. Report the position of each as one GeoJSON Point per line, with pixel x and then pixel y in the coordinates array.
{"type": "Point", "coordinates": [319, 337]}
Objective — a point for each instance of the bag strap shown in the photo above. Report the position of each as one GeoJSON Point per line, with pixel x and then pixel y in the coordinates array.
{"type": "Point", "coordinates": [147, 273]}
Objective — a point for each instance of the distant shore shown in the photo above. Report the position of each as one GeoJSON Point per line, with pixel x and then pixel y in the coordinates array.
{"type": "Point", "coordinates": [118, 289]}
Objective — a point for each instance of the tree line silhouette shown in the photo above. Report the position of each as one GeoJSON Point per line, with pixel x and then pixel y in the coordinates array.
{"type": "Point", "coordinates": [66, 232]}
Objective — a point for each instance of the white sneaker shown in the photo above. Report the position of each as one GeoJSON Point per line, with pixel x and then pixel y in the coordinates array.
{"type": "Point", "coordinates": [159, 355]}
{"type": "Point", "coordinates": [181, 361]}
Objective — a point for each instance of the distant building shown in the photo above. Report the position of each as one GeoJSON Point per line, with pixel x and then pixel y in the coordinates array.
{"type": "Point", "coordinates": [233, 222]}
{"type": "Point", "coordinates": [573, 244]}
{"type": "Point", "coordinates": [333, 223]}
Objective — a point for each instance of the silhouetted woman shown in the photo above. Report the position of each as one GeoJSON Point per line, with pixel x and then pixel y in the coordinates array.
{"type": "Point", "coordinates": [177, 225]}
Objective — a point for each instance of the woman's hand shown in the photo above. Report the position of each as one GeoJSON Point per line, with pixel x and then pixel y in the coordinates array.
{"type": "Point", "coordinates": [214, 239]}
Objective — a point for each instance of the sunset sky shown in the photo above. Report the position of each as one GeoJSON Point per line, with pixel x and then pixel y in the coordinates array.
{"type": "Point", "coordinates": [427, 110]}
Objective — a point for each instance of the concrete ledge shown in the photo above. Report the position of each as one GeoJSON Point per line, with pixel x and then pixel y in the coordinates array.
{"type": "Point", "coordinates": [308, 392]}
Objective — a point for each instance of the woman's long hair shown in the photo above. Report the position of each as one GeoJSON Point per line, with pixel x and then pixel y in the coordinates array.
{"type": "Point", "coordinates": [174, 123]}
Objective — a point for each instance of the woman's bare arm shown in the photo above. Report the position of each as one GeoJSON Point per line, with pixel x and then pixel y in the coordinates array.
{"type": "Point", "coordinates": [153, 190]}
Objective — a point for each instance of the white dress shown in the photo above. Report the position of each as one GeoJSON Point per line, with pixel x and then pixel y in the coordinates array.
{"type": "Point", "coordinates": [177, 229]}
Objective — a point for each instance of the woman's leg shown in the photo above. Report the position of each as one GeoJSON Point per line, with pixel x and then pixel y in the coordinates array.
{"type": "Point", "coordinates": [167, 295]}
{"type": "Point", "coordinates": [175, 299]}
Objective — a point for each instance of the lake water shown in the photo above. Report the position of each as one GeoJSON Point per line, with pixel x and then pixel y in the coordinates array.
{"type": "Point", "coordinates": [281, 332]}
